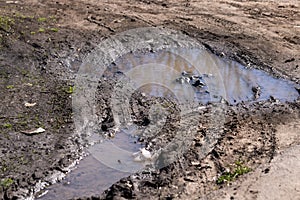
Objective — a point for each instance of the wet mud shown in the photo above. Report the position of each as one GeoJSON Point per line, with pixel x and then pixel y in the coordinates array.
{"type": "Point", "coordinates": [44, 43]}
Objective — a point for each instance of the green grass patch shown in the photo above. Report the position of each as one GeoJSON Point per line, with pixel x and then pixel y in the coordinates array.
{"type": "Point", "coordinates": [5, 183]}
{"type": "Point", "coordinates": [21, 16]}
{"type": "Point", "coordinates": [53, 18]}
{"type": "Point", "coordinates": [10, 87]}
{"type": "Point", "coordinates": [238, 170]}
{"type": "Point", "coordinates": [54, 29]}
{"type": "Point", "coordinates": [6, 23]}
{"type": "Point", "coordinates": [70, 90]}
{"type": "Point", "coordinates": [41, 30]}
{"type": "Point", "coordinates": [7, 126]}
{"type": "Point", "coordinates": [42, 19]}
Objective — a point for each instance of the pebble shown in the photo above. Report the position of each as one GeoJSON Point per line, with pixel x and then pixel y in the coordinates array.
{"type": "Point", "coordinates": [195, 163]}
{"type": "Point", "coordinates": [142, 155]}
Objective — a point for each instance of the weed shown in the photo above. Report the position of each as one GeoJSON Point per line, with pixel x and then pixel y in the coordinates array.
{"type": "Point", "coordinates": [5, 183]}
{"type": "Point", "coordinates": [41, 30]}
{"type": "Point", "coordinates": [7, 125]}
{"type": "Point", "coordinates": [37, 121]}
{"type": "Point", "coordinates": [70, 90]}
{"type": "Point", "coordinates": [4, 169]}
{"type": "Point", "coordinates": [32, 32]}
{"type": "Point", "coordinates": [52, 18]}
{"type": "Point", "coordinates": [5, 23]}
{"type": "Point", "coordinates": [42, 19]}
{"type": "Point", "coordinates": [20, 116]}
{"type": "Point", "coordinates": [19, 15]}
{"type": "Point", "coordinates": [239, 169]}
{"type": "Point", "coordinates": [23, 123]}
{"type": "Point", "coordinates": [24, 72]}
{"type": "Point", "coordinates": [10, 87]}
{"type": "Point", "coordinates": [54, 29]}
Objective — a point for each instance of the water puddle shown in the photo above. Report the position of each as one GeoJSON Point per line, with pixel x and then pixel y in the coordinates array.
{"type": "Point", "coordinates": [157, 74]}
{"type": "Point", "coordinates": [222, 77]}
{"type": "Point", "coordinates": [92, 176]}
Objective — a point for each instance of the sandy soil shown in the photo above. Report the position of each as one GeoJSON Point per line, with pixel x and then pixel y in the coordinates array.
{"type": "Point", "coordinates": [42, 44]}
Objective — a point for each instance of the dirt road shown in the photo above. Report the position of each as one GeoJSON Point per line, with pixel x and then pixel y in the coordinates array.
{"type": "Point", "coordinates": [43, 43]}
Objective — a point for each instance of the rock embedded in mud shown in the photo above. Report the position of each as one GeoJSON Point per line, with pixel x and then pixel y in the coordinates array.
{"type": "Point", "coordinates": [192, 79]}
{"type": "Point", "coordinates": [104, 127]}
{"type": "Point", "coordinates": [298, 89]}
{"type": "Point", "coordinates": [197, 83]}
{"type": "Point", "coordinates": [256, 92]}
{"type": "Point", "coordinates": [142, 155]}
{"type": "Point", "coordinates": [37, 175]}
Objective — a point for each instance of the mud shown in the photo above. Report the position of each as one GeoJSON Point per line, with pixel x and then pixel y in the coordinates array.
{"type": "Point", "coordinates": [43, 44]}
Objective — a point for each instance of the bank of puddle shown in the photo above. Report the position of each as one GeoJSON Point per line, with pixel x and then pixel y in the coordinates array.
{"type": "Point", "coordinates": [155, 73]}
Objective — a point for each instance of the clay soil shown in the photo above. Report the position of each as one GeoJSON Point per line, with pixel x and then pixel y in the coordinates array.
{"type": "Point", "coordinates": [43, 43]}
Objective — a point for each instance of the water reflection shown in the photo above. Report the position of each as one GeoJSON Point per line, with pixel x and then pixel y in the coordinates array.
{"type": "Point", "coordinates": [230, 80]}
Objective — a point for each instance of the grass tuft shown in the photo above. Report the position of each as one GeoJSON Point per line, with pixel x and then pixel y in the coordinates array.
{"type": "Point", "coordinates": [7, 125]}
{"type": "Point", "coordinates": [5, 23]}
{"type": "Point", "coordinates": [41, 30]}
{"type": "Point", "coordinates": [54, 29]}
{"type": "Point", "coordinates": [239, 169]}
{"type": "Point", "coordinates": [42, 19]}
{"type": "Point", "coordinates": [5, 183]}
{"type": "Point", "coordinates": [10, 87]}
{"type": "Point", "coordinates": [70, 90]}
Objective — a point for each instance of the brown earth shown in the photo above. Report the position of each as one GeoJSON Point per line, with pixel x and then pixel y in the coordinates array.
{"type": "Point", "coordinates": [42, 44]}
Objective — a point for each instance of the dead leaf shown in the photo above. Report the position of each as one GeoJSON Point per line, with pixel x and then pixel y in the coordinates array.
{"type": "Point", "coordinates": [33, 132]}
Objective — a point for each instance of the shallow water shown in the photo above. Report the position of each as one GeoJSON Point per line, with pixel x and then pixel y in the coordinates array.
{"type": "Point", "coordinates": [92, 176]}
{"type": "Point", "coordinates": [155, 74]}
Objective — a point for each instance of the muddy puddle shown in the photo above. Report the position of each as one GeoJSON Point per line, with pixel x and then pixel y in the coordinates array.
{"type": "Point", "coordinates": [156, 74]}
{"type": "Point", "coordinates": [166, 74]}
{"type": "Point", "coordinates": [96, 173]}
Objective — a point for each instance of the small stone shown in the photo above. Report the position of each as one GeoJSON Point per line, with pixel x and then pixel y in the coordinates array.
{"type": "Point", "coordinates": [256, 92]}
{"type": "Point", "coordinates": [37, 175]}
{"type": "Point", "coordinates": [29, 104]}
{"type": "Point", "coordinates": [104, 127]}
{"type": "Point", "coordinates": [12, 2]}
{"type": "Point", "coordinates": [197, 83]}
{"type": "Point", "coordinates": [195, 163]}
{"type": "Point", "coordinates": [146, 154]}
{"type": "Point", "coordinates": [28, 84]}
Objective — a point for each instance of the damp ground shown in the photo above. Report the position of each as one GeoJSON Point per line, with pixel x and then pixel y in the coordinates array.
{"type": "Point", "coordinates": [43, 43]}
{"type": "Point", "coordinates": [155, 74]}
